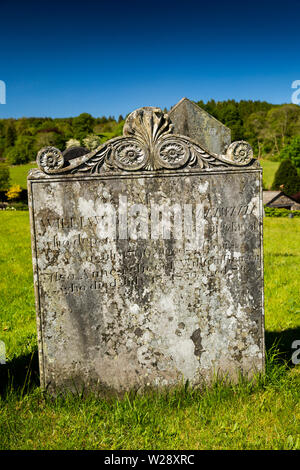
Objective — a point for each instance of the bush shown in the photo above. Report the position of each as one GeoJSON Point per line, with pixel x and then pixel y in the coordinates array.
{"type": "Point", "coordinates": [275, 212]}
{"type": "Point", "coordinates": [17, 206]}
{"type": "Point", "coordinates": [92, 142]}
{"type": "Point", "coordinates": [72, 143]}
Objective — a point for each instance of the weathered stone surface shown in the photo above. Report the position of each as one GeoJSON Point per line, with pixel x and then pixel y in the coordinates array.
{"type": "Point", "coordinates": [191, 120]}
{"type": "Point", "coordinates": [2, 353]}
{"type": "Point", "coordinates": [147, 261]}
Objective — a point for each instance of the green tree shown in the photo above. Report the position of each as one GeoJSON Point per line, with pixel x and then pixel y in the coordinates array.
{"type": "Point", "coordinates": [4, 177]}
{"type": "Point", "coordinates": [65, 127]}
{"type": "Point", "coordinates": [22, 152]}
{"type": "Point", "coordinates": [10, 134]}
{"type": "Point", "coordinates": [83, 125]}
{"type": "Point", "coordinates": [286, 178]}
{"type": "Point", "coordinates": [2, 137]}
{"type": "Point", "coordinates": [254, 128]}
{"type": "Point", "coordinates": [49, 138]}
{"type": "Point", "coordinates": [292, 152]}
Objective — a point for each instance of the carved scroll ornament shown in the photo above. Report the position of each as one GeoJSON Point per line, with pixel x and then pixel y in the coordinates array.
{"type": "Point", "coordinates": [147, 144]}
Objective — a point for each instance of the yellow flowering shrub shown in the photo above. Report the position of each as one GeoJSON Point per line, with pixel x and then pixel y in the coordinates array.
{"type": "Point", "coordinates": [13, 192]}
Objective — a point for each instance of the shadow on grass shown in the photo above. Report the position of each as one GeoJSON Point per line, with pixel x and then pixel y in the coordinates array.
{"type": "Point", "coordinates": [283, 341]}
{"type": "Point", "coordinates": [20, 374]}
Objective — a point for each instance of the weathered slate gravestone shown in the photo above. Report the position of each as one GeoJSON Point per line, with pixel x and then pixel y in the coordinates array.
{"type": "Point", "coordinates": [194, 122]}
{"type": "Point", "coordinates": [147, 257]}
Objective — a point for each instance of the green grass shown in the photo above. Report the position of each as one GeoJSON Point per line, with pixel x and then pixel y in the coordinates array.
{"type": "Point", "coordinates": [269, 170]}
{"type": "Point", "coordinates": [261, 415]}
{"type": "Point", "coordinates": [18, 173]}
{"type": "Point", "coordinates": [17, 309]}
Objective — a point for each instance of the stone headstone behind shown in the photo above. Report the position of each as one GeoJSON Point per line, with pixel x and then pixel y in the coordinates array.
{"type": "Point", "coordinates": [191, 120]}
{"type": "Point", "coordinates": [147, 258]}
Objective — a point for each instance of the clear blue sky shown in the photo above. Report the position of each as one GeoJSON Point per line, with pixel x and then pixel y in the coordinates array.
{"type": "Point", "coordinates": [62, 58]}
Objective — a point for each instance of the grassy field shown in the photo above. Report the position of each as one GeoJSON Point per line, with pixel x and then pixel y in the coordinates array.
{"type": "Point", "coordinates": [261, 415]}
{"type": "Point", "coordinates": [269, 170]}
{"type": "Point", "coordinates": [18, 173]}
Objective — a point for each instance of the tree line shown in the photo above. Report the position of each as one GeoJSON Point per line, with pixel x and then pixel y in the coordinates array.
{"type": "Point", "coordinates": [21, 139]}
{"type": "Point", "coordinates": [272, 130]}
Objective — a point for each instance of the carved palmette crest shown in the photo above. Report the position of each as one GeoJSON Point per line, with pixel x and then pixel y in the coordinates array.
{"type": "Point", "coordinates": [147, 144]}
